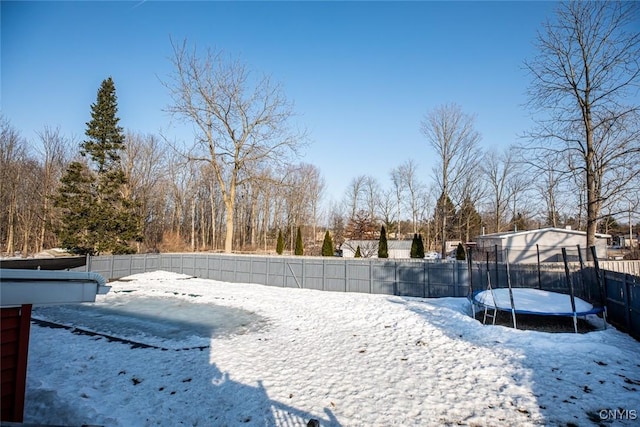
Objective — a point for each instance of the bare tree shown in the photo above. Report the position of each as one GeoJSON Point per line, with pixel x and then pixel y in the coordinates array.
{"type": "Point", "coordinates": [499, 169]}
{"type": "Point", "coordinates": [371, 196]}
{"type": "Point", "coordinates": [452, 135]}
{"type": "Point", "coordinates": [316, 187]}
{"type": "Point", "coordinates": [584, 78]}
{"type": "Point", "coordinates": [12, 158]}
{"type": "Point", "coordinates": [303, 186]}
{"type": "Point", "coordinates": [240, 119]}
{"type": "Point", "coordinates": [145, 164]}
{"type": "Point", "coordinates": [469, 220]}
{"type": "Point", "coordinates": [354, 194]}
{"type": "Point", "coordinates": [386, 209]}
{"type": "Point", "coordinates": [407, 173]}
{"type": "Point", "coordinates": [54, 155]}
{"type": "Point", "coordinates": [399, 189]}
{"type": "Point", "coordinates": [548, 183]}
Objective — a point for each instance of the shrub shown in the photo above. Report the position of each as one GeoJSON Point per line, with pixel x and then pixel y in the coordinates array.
{"type": "Point", "coordinates": [383, 250]}
{"type": "Point", "coordinates": [299, 248]}
{"type": "Point", "coordinates": [327, 245]}
{"type": "Point", "coordinates": [280, 243]}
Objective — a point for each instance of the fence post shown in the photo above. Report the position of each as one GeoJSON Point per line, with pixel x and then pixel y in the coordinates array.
{"type": "Point", "coordinates": [470, 269]}
{"type": "Point", "coordinates": [454, 279]}
{"type": "Point", "coordinates": [428, 278]}
{"type": "Point", "coordinates": [539, 276]}
{"type": "Point", "coordinates": [395, 277]}
{"type": "Point", "coordinates": [627, 302]}
{"type": "Point", "coordinates": [284, 273]}
{"type": "Point", "coordinates": [370, 276]}
{"type": "Point", "coordinates": [497, 274]}
{"type": "Point", "coordinates": [346, 275]}
{"type": "Point", "coordinates": [424, 279]}
{"type": "Point", "coordinates": [113, 261]}
{"type": "Point", "coordinates": [267, 275]}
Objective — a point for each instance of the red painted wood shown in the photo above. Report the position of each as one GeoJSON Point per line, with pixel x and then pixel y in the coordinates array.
{"type": "Point", "coordinates": [15, 327]}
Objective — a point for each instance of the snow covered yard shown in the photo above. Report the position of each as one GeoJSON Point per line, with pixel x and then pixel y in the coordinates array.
{"type": "Point", "coordinates": [342, 358]}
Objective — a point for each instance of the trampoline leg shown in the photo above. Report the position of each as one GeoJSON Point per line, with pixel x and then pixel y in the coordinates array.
{"type": "Point", "coordinates": [575, 323]}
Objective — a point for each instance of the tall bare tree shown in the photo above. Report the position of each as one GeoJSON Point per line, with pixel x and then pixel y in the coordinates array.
{"type": "Point", "coordinates": [371, 196]}
{"type": "Point", "coordinates": [584, 79]}
{"type": "Point", "coordinates": [408, 175]}
{"type": "Point", "coordinates": [240, 119]}
{"type": "Point", "coordinates": [399, 190]}
{"type": "Point", "coordinates": [354, 195]}
{"type": "Point", "coordinates": [145, 164]}
{"type": "Point", "coordinates": [386, 209]}
{"type": "Point", "coordinates": [499, 169]}
{"type": "Point", "coordinates": [452, 135]}
{"type": "Point", "coordinates": [54, 155]}
{"type": "Point", "coordinates": [12, 158]}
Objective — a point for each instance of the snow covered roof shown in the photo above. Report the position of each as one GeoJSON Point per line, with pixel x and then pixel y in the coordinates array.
{"type": "Point", "coordinates": [19, 287]}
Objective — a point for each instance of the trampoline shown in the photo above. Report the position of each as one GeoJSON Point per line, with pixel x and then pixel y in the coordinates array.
{"type": "Point", "coordinates": [530, 301]}
{"type": "Point", "coordinates": [533, 301]}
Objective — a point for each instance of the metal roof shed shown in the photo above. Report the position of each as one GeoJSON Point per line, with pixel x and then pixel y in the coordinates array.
{"type": "Point", "coordinates": [19, 290]}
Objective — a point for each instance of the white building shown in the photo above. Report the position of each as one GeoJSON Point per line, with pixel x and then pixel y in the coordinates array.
{"type": "Point", "coordinates": [524, 246]}
{"type": "Point", "coordinates": [396, 249]}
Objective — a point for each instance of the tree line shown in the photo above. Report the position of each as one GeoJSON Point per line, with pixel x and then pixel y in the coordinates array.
{"type": "Point", "coordinates": [241, 187]}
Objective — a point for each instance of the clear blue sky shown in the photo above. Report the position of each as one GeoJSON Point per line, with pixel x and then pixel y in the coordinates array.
{"type": "Point", "coordinates": [362, 75]}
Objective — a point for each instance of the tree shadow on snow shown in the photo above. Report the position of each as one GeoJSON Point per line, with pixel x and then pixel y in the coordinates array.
{"type": "Point", "coordinates": [198, 393]}
{"type": "Point", "coordinates": [566, 392]}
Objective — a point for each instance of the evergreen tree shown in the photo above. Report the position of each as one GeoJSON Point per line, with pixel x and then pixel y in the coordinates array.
{"type": "Point", "coordinates": [97, 217]}
{"type": "Point", "coordinates": [414, 247]}
{"type": "Point", "coordinates": [444, 217]}
{"type": "Point", "coordinates": [358, 254]}
{"type": "Point", "coordinates": [299, 248]}
{"type": "Point", "coordinates": [460, 253]}
{"type": "Point", "coordinates": [469, 221]}
{"type": "Point", "coordinates": [420, 247]}
{"type": "Point", "coordinates": [383, 250]}
{"type": "Point", "coordinates": [327, 245]}
{"type": "Point", "coordinates": [74, 197]}
{"type": "Point", "coordinates": [280, 243]}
